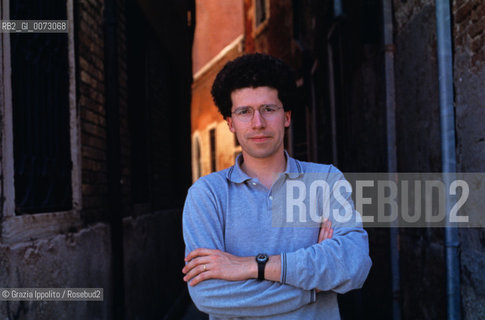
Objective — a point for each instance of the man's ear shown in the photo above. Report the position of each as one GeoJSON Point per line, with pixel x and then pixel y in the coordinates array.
{"type": "Point", "coordinates": [287, 118]}
{"type": "Point", "coordinates": [230, 124]}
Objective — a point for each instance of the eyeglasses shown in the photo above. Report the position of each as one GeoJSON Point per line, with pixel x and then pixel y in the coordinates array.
{"type": "Point", "coordinates": [246, 114]}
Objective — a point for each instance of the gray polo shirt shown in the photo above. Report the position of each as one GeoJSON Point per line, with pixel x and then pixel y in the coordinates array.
{"type": "Point", "coordinates": [232, 212]}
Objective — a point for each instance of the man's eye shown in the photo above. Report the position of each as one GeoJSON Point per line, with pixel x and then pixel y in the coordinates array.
{"type": "Point", "coordinates": [243, 111]}
{"type": "Point", "coordinates": [269, 109]}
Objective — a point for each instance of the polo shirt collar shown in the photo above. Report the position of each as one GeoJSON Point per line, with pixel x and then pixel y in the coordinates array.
{"type": "Point", "coordinates": [237, 175]}
{"type": "Point", "coordinates": [293, 167]}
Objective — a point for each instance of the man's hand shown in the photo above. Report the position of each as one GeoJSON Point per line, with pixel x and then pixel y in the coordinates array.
{"type": "Point", "coordinates": [206, 264]}
{"type": "Point", "coordinates": [326, 232]}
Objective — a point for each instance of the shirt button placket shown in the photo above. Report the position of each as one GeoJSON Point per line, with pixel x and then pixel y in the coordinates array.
{"type": "Point", "coordinates": [270, 199]}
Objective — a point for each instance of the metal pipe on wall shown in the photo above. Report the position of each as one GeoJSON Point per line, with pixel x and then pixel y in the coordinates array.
{"type": "Point", "coordinates": [331, 85]}
{"type": "Point", "coordinates": [337, 8]}
{"type": "Point", "coordinates": [391, 150]}
{"type": "Point", "coordinates": [113, 155]}
{"type": "Point", "coordinates": [338, 12]}
{"type": "Point", "coordinates": [448, 152]}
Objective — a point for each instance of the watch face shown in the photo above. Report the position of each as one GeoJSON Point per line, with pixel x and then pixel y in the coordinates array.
{"type": "Point", "coordinates": [262, 257]}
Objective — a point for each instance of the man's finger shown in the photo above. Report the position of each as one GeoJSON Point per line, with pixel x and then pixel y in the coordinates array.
{"type": "Point", "coordinates": [199, 252]}
{"type": "Point", "coordinates": [194, 272]}
{"type": "Point", "coordinates": [194, 263]}
{"type": "Point", "coordinates": [326, 231]}
{"type": "Point", "coordinates": [321, 234]}
{"type": "Point", "coordinates": [201, 277]}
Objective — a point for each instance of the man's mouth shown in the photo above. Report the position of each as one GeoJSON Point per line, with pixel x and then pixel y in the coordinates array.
{"type": "Point", "coordinates": [259, 138]}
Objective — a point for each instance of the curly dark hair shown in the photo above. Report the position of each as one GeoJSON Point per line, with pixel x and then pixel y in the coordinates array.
{"type": "Point", "coordinates": [251, 71]}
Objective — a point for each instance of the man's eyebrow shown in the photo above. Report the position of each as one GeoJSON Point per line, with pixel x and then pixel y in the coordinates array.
{"type": "Point", "coordinates": [239, 107]}
{"type": "Point", "coordinates": [261, 105]}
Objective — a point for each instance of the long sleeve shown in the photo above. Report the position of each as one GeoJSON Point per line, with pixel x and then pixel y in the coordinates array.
{"type": "Point", "coordinates": [203, 227]}
{"type": "Point", "coordinates": [339, 264]}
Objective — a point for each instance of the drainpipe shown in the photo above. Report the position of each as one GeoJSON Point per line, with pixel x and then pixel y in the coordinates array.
{"type": "Point", "coordinates": [113, 155]}
{"type": "Point", "coordinates": [448, 152]}
{"type": "Point", "coordinates": [391, 150]}
{"type": "Point", "coordinates": [338, 8]}
{"type": "Point", "coordinates": [338, 13]}
{"type": "Point", "coordinates": [331, 86]}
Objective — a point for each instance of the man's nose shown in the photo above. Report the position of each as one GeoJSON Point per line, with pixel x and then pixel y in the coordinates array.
{"type": "Point", "coordinates": [258, 120]}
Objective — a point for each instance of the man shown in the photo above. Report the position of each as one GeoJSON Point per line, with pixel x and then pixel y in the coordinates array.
{"type": "Point", "coordinates": [239, 262]}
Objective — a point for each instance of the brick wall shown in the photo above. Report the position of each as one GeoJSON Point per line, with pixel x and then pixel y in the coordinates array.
{"type": "Point", "coordinates": [469, 31]}
{"type": "Point", "coordinates": [91, 105]}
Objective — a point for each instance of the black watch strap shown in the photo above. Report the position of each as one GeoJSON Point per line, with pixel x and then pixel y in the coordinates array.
{"type": "Point", "coordinates": [261, 259]}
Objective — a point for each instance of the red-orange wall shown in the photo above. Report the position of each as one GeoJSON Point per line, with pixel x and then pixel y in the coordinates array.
{"type": "Point", "coordinates": [218, 23]}
{"type": "Point", "coordinates": [204, 112]}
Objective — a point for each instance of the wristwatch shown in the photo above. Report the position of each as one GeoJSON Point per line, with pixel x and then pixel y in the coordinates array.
{"type": "Point", "coordinates": [261, 259]}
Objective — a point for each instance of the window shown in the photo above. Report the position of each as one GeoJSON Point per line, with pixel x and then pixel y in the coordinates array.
{"type": "Point", "coordinates": [212, 139]}
{"type": "Point", "coordinates": [261, 13]}
{"type": "Point", "coordinates": [197, 156]}
{"type": "Point", "coordinates": [40, 125]}
{"type": "Point", "coordinates": [237, 147]}
{"type": "Point", "coordinates": [40, 111]}
{"type": "Point", "coordinates": [198, 159]}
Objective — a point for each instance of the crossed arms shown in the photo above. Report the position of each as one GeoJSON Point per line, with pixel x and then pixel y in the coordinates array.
{"type": "Point", "coordinates": [203, 264]}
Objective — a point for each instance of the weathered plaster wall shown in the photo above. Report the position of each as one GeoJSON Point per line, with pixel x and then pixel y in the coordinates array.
{"type": "Point", "coordinates": [72, 260]}
{"type": "Point", "coordinates": [469, 80]}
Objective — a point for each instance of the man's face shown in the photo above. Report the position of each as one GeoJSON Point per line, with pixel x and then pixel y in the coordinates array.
{"type": "Point", "coordinates": [259, 137]}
